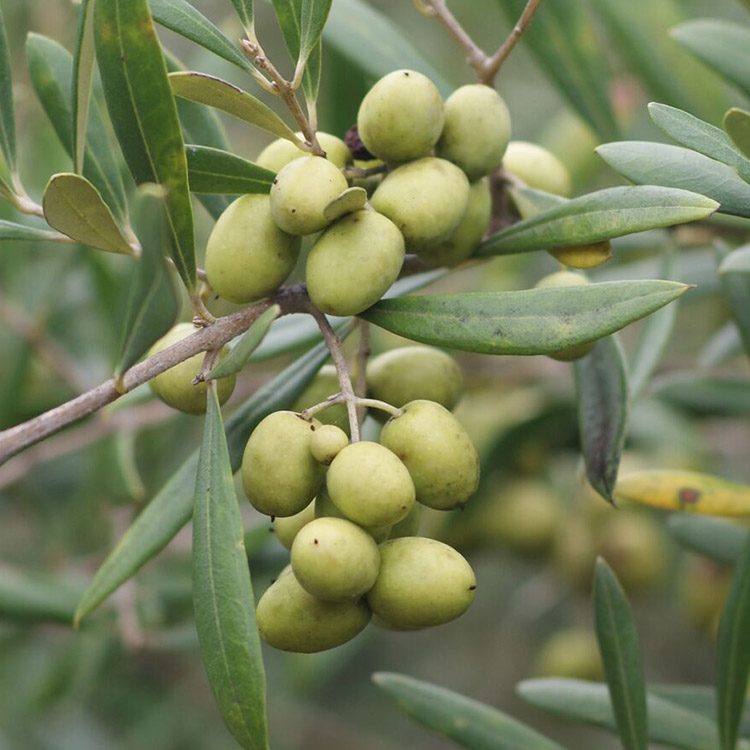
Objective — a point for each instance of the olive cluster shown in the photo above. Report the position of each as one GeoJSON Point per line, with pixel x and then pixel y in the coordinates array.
{"type": "Point", "coordinates": [350, 512]}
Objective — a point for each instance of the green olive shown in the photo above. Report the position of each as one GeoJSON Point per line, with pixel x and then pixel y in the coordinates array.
{"type": "Point", "coordinates": [476, 130]}
{"type": "Point", "coordinates": [327, 442]}
{"type": "Point", "coordinates": [280, 152]}
{"type": "Point", "coordinates": [175, 386]}
{"type": "Point", "coordinates": [287, 528]}
{"type": "Point", "coordinates": [353, 263]}
{"type": "Point", "coordinates": [326, 508]}
{"type": "Point", "coordinates": [572, 653]}
{"type": "Point", "coordinates": [279, 474]}
{"type": "Point", "coordinates": [247, 256]}
{"type": "Point", "coordinates": [537, 168]}
{"type": "Point", "coordinates": [401, 116]}
{"type": "Point", "coordinates": [583, 256]}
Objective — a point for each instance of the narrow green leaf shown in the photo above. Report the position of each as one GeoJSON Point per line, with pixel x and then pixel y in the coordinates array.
{"type": "Point", "coordinates": [36, 597]}
{"type": "Point", "coordinates": [83, 72]}
{"type": "Point", "coordinates": [672, 166]}
{"type": "Point", "coordinates": [694, 133]}
{"type": "Point", "coordinates": [51, 71]}
{"type": "Point", "coordinates": [211, 170]}
{"type": "Point", "coordinates": [600, 216]}
{"type": "Point", "coordinates": [602, 397]}
{"type": "Point", "coordinates": [206, 89]}
{"type": "Point", "coordinates": [247, 345]}
{"type": "Point", "coordinates": [715, 538]}
{"type": "Point", "coordinates": [621, 656]}
{"type": "Point", "coordinates": [73, 206]}
{"type": "Point", "coordinates": [172, 506]}
{"type": "Point", "coordinates": [724, 345]}
{"type": "Point", "coordinates": [313, 18]}
{"type": "Point", "coordinates": [467, 722]}
{"type": "Point", "coordinates": [534, 321]}
{"type": "Point", "coordinates": [244, 10]}
{"type": "Point", "coordinates": [733, 653]}
{"type": "Point", "coordinates": [223, 594]}
{"type": "Point", "coordinates": [7, 110]}
{"type": "Point", "coordinates": [589, 702]}
{"type": "Point", "coordinates": [184, 19]}
{"type": "Point", "coordinates": [705, 396]}
{"type": "Point", "coordinates": [152, 306]}
{"type": "Point", "coordinates": [737, 124]}
{"type": "Point", "coordinates": [371, 41]}
{"type": "Point", "coordinates": [563, 39]}
{"type": "Point", "coordinates": [722, 45]}
{"type": "Point", "coordinates": [144, 114]}
{"type": "Point", "coordinates": [11, 231]}
{"type": "Point", "coordinates": [734, 274]}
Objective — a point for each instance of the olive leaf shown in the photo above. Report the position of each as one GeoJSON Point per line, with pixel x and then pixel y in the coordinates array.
{"type": "Point", "coordinates": [244, 9]}
{"type": "Point", "coordinates": [84, 60]}
{"type": "Point", "coordinates": [9, 230]}
{"type": "Point", "coordinates": [211, 170]}
{"type": "Point", "coordinates": [350, 200]}
{"type": "Point", "coordinates": [7, 110]}
{"type": "Point", "coordinates": [734, 274]}
{"type": "Point", "coordinates": [705, 396]}
{"type": "Point", "coordinates": [715, 538]}
{"type": "Point", "coordinates": [37, 597]}
{"type": "Point", "coordinates": [737, 124]}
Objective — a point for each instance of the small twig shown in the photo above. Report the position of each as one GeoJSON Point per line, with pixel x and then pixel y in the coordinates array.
{"type": "Point", "coordinates": [363, 354]}
{"type": "Point", "coordinates": [311, 411]}
{"type": "Point", "coordinates": [349, 172]}
{"type": "Point", "coordinates": [374, 403]}
{"type": "Point", "coordinates": [493, 64]}
{"type": "Point", "coordinates": [364, 403]}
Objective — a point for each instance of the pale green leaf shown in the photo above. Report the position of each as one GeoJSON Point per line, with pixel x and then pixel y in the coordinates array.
{"type": "Point", "coordinates": [84, 60]}
{"type": "Point", "coordinates": [737, 124]}
{"type": "Point", "coordinates": [37, 597]}
{"type": "Point", "coordinates": [734, 273]}
{"type": "Point", "coordinates": [9, 230]}
{"type": "Point", "coordinates": [7, 111]}
{"type": "Point", "coordinates": [244, 10]}
{"type": "Point", "coordinates": [716, 538]}
{"type": "Point", "coordinates": [313, 17]}
{"type": "Point", "coordinates": [705, 396]}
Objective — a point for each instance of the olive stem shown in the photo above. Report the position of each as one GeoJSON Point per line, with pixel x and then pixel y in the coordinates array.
{"type": "Point", "coordinates": [311, 411]}
{"type": "Point", "coordinates": [363, 354]}
{"type": "Point", "coordinates": [374, 403]}
{"type": "Point", "coordinates": [494, 63]}
{"type": "Point", "coordinates": [364, 172]}
{"type": "Point", "coordinates": [475, 56]}
{"type": "Point", "coordinates": [338, 398]}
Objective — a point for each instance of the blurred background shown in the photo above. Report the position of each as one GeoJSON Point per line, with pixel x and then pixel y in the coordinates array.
{"type": "Point", "coordinates": [132, 677]}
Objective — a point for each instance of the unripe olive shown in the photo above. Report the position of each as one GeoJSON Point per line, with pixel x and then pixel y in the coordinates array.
{"type": "Point", "coordinates": [422, 582]}
{"type": "Point", "coordinates": [574, 553]}
{"type": "Point", "coordinates": [476, 130]}
{"type": "Point", "coordinates": [583, 256]}
{"type": "Point", "coordinates": [327, 442]}
{"type": "Point", "coordinates": [401, 116]}
{"type": "Point", "coordinates": [567, 278]}
{"type": "Point", "coordinates": [301, 191]}
{"type": "Point", "coordinates": [290, 619]}
{"type": "Point", "coordinates": [287, 528]}
{"type": "Point", "coordinates": [537, 167]}
{"type": "Point", "coordinates": [414, 372]}
{"type": "Point", "coordinates": [280, 152]}
{"type": "Point", "coordinates": [247, 256]}
{"type": "Point", "coordinates": [408, 526]}
{"type": "Point", "coordinates": [334, 559]}
{"type": "Point", "coordinates": [464, 241]}
{"type": "Point", "coordinates": [279, 474]}
{"type": "Point", "coordinates": [326, 508]}
{"type": "Point", "coordinates": [437, 451]}
{"type": "Point", "coordinates": [175, 386]}
{"type": "Point", "coordinates": [323, 385]}
{"type": "Point", "coordinates": [571, 652]}
{"type": "Point", "coordinates": [369, 485]}
{"type": "Point", "coordinates": [426, 199]}
{"type": "Point", "coordinates": [353, 263]}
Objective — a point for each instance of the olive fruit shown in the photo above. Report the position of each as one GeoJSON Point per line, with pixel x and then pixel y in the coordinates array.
{"type": "Point", "coordinates": [426, 199]}
{"type": "Point", "coordinates": [280, 152]}
{"type": "Point", "coordinates": [401, 116]}
{"type": "Point", "coordinates": [421, 583]}
{"type": "Point", "coordinates": [323, 385]}
{"type": "Point", "coordinates": [414, 372]}
{"type": "Point", "coordinates": [175, 385]}
{"type": "Point", "coordinates": [537, 167]}
{"type": "Point", "coordinates": [437, 451]}
{"type": "Point", "coordinates": [247, 256]}
{"type": "Point", "coordinates": [301, 191]}
{"type": "Point", "coordinates": [290, 619]}
{"type": "Point", "coordinates": [327, 442]}
{"type": "Point", "coordinates": [476, 130]}
{"type": "Point", "coordinates": [353, 263]}
{"type": "Point", "coordinates": [369, 485]}
{"type": "Point", "coordinates": [571, 652]}
{"type": "Point", "coordinates": [408, 526]}
{"type": "Point", "coordinates": [468, 234]}
{"type": "Point", "coordinates": [287, 528]}
{"type": "Point", "coordinates": [567, 278]}
{"type": "Point", "coordinates": [279, 474]}
{"type": "Point", "coordinates": [334, 559]}
{"type": "Point", "coordinates": [583, 256]}
{"type": "Point", "coordinates": [325, 508]}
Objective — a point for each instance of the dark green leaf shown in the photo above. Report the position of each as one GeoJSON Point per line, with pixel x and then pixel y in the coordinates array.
{"type": "Point", "coordinates": [211, 170]}
{"type": "Point", "coordinates": [7, 111]}
{"type": "Point", "coordinates": [152, 306]}
{"type": "Point", "coordinates": [83, 73]}
{"type": "Point", "coordinates": [722, 45]}
{"type": "Point", "coordinates": [534, 321]}
{"type": "Point", "coordinates": [248, 343]}
{"type": "Point", "coordinates": [11, 231]}
{"type": "Point", "coordinates": [73, 206]}
{"type": "Point", "coordinates": [184, 19]}
{"type": "Point", "coordinates": [694, 133]}
{"type": "Point", "coordinates": [715, 538]}
{"type": "Point", "coordinates": [621, 656]}
{"type": "Point", "coordinates": [563, 39]}
{"type": "Point", "coordinates": [734, 273]}
{"type": "Point", "coordinates": [144, 115]}
{"type": "Point", "coordinates": [602, 396]}
{"type": "Point", "coordinates": [51, 71]}
{"type": "Point", "coordinates": [705, 396]}
{"type": "Point", "coordinates": [313, 17]}
{"type": "Point", "coordinates": [672, 166]}
{"type": "Point", "coordinates": [733, 653]}
{"type": "Point", "coordinates": [600, 216]}
{"type": "Point", "coordinates": [737, 124]}
{"type": "Point", "coordinates": [373, 42]}
{"type": "Point", "coordinates": [589, 702]}
{"type": "Point", "coordinates": [172, 506]}
{"type": "Point", "coordinates": [244, 10]}
{"type": "Point", "coordinates": [223, 594]}
{"type": "Point", "coordinates": [28, 597]}
{"type": "Point", "coordinates": [206, 89]}
{"type": "Point", "coordinates": [467, 722]}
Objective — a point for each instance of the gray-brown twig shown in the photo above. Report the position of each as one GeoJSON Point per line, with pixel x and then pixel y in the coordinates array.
{"type": "Point", "coordinates": [493, 65]}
